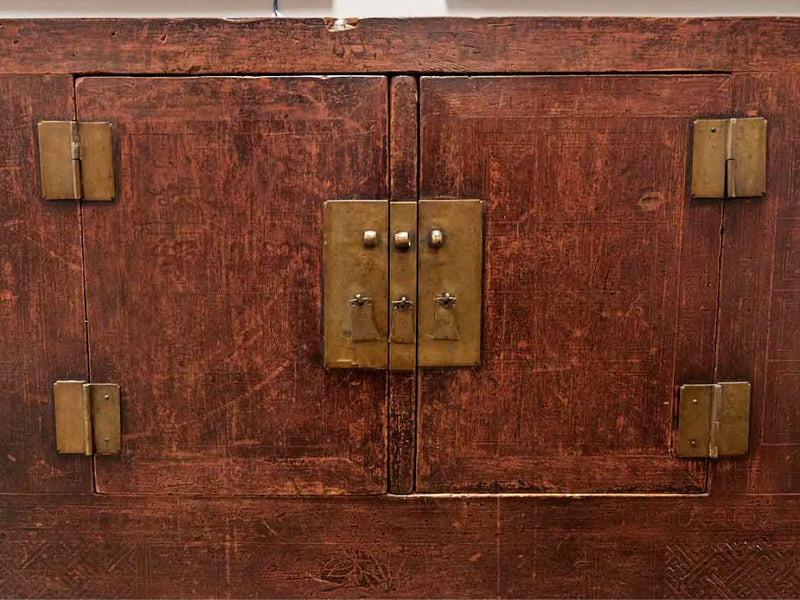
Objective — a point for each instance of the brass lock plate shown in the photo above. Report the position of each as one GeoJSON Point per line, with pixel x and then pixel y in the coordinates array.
{"type": "Point", "coordinates": [450, 272]}
{"type": "Point", "coordinates": [355, 273]}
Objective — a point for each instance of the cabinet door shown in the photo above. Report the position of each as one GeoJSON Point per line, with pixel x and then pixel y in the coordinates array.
{"type": "Point", "coordinates": [41, 295]}
{"type": "Point", "coordinates": [600, 281]}
{"type": "Point", "coordinates": [204, 283]}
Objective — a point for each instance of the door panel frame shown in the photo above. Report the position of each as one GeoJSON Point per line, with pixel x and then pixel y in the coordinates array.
{"type": "Point", "coordinates": [171, 441]}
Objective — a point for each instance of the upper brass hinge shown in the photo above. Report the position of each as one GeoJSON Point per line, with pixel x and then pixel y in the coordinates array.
{"type": "Point", "coordinates": [76, 160]}
{"type": "Point", "coordinates": [729, 158]}
{"type": "Point", "coordinates": [87, 417]}
{"type": "Point", "coordinates": [713, 420]}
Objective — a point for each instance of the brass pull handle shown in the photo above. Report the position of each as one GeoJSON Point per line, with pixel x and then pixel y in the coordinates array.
{"type": "Point", "coordinates": [362, 319]}
{"type": "Point", "coordinates": [445, 319]}
{"type": "Point", "coordinates": [401, 330]}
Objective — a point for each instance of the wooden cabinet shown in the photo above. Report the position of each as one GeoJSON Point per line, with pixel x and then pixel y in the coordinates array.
{"type": "Point", "coordinates": [549, 469]}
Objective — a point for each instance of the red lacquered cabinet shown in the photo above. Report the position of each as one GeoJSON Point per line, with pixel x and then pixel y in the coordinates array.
{"type": "Point", "coordinates": [411, 308]}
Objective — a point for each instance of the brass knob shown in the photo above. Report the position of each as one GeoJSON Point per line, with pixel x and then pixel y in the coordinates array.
{"type": "Point", "coordinates": [370, 238]}
{"type": "Point", "coordinates": [437, 238]}
{"type": "Point", "coordinates": [402, 241]}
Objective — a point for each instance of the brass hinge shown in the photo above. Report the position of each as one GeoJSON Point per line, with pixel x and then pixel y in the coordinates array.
{"type": "Point", "coordinates": [714, 420]}
{"type": "Point", "coordinates": [76, 160]}
{"type": "Point", "coordinates": [729, 158]}
{"type": "Point", "coordinates": [87, 417]}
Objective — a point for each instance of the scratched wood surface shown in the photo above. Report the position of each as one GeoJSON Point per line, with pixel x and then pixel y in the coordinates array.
{"type": "Point", "coordinates": [403, 175]}
{"type": "Point", "coordinates": [600, 281]}
{"type": "Point", "coordinates": [490, 45]}
{"type": "Point", "coordinates": [204, 283]}
{"type": "Point", "coordinates": [741, 542]}
{"type": "Point", "coordinates": [41, 295]}
{"type": "Point", "coordinates": [393, 547]}
{"type": "Point", "coordinates": [759, 327]}
{"type": "Point", "coordinates": [404, 138]}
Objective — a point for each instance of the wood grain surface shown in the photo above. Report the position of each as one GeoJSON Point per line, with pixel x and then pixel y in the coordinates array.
{"type": "Point", "coordinates": [434, 45]}
{"type": "Point", "coordinates": [404, 129]}
{"type": "Point", "coordinates": [393, 547]}
{"type": "Point", "coordinates": [204, 295]}
{"type": "Point", "coordinates": [204, 283]}
{"type": "Point", "coordinates": [760, 297]}
{"type": "Point", "coordinates": [41, 295]}
{"type": "Point", "coordinates": [600, 281]}
{"type": "Point", "coordinates": [404, 138]}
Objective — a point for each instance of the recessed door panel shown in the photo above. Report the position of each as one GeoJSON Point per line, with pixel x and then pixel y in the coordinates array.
{"type": "Point", "coordinates": [599, 284]}
{"type": "Point", "coordinates": [204, 283]}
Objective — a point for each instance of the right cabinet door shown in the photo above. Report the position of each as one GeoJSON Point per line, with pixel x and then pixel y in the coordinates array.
{"type": "Point", "coordinates": [600, 281]}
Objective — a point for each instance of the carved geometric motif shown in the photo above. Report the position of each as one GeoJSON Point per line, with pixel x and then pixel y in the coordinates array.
{"type": "Point", "coordinates": [64, 569]}
{"type": "Point", "coordinates": [732, 570]}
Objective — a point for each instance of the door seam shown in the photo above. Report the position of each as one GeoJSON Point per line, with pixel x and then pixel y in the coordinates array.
{"type": "Point", "coordinates": [83, 282]}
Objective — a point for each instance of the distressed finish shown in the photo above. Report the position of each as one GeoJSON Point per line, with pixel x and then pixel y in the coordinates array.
{"type": "Point", "coordinates": [437, 45]}
{"type": "Point", "coordinates": [692, 547]}
{"type": "Point", "coordinates": [759, 338]}
{"type": "Point", "coordinates": [404, 138]}
{"type": "Point", "coordinates": [100, 547]}
{"type": "Point", "coordinates": [600, 281]}
{"type": "Point", "coordinates": [203, 283]}
{"type": "Point", "coordinates": [404, 173]}
{"type": "Point", "coordinates": [41, 296]}
{"type": "Point", "coordinates": [193, 286]}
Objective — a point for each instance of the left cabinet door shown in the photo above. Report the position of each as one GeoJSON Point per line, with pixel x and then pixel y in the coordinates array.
{"type": "Point", "coordinates": [41, 295]}
{"type": "Point", "coordinates": [204, 283]}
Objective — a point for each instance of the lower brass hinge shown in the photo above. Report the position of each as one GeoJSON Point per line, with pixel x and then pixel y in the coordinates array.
{"type": "Point", "coordinates": [76, 160]}
{"type": "Point", "coordinates": [714, 420]}
{"type": "Point", "coordinates": [87, 417]}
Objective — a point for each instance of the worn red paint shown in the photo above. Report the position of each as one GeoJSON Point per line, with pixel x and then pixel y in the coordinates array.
{"type": "Point", "coordinates": [224, 397]}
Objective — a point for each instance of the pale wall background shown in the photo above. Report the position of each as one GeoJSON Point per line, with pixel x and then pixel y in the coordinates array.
{"type": "Point", "coordinates": [367, 8]}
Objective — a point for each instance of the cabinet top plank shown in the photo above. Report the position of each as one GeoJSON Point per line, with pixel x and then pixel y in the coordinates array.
{"type": "Point", "coordinates": [429, 45]}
